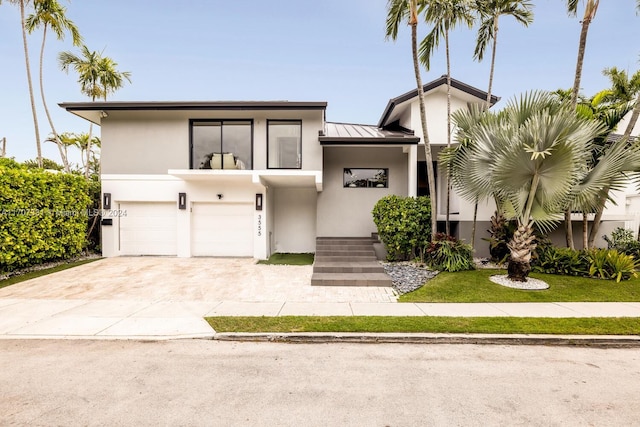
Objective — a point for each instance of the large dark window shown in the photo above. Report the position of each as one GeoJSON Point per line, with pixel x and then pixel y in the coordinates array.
{"type": "Point", "coordinates": [221, 144]}
{"type": "Point", "coordinates": [284, 144]}
{"type": "Point", "coordinates": [365, 178]}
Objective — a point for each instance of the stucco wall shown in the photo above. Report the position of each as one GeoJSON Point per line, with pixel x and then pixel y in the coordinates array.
{"type": "Point", "coordinates": [151, 142]}
{"type": "Point", "coordinates": [346, 212]}
{"type": "Point", "coordinates": [294, 228]}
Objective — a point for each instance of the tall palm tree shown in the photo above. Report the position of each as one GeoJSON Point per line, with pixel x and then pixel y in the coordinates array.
{"type": "Point", "coordinates": [98, 77]}
{"type": "Point", "coordinates": [50, 14]}
{"type": "Point", "coordinates": [531, 156]}
{"type": "Point", "coordinates": [23, 4]}
{"type": "Point", "coordinates": [399, 11]}
{"type": "Point", "coordinates": [591, 7]}
{"type": "Point", "coordinates": [490, 12]}
{"type": "Point", "coordinates": [616, 102]}
{"type": "Point", "coordinates": [445, 15]}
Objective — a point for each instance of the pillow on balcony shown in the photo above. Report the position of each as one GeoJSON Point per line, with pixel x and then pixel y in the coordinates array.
{"type": "Point", "coordinates": [216, 161]}
{"type": "Point", "coordinates": [228, 161]}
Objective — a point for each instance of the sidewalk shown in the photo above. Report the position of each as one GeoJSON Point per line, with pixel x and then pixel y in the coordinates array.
{"type": "Point", "coordinates": [138, 319]}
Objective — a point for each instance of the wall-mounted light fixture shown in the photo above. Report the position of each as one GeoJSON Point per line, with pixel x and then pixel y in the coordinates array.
{"type": "Point", "coordinates": [258, 201]}
{"type": "Point", "coordinates": [220, 196]}
{"type": "Point", "coordinates": [103, 114]}
{"type": "Point", "coordinates": [106, 201]}
{"type": "Point", "coordinates": [182, 200]}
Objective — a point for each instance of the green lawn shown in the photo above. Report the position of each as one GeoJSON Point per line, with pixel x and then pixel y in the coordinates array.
{"type": "Point", "coordinates": [475, 286]}
{"type": "Point", "coordinates": [33, 274]}
{"type": "Point", "coordinates": [433, 324]}
{"type": "Point", "coordinates": [288, 259]}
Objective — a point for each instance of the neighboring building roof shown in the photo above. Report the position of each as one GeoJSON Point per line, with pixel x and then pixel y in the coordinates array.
{"type": "Point", "coordinates": [92, 111]}
{"type": "Point", "coordinates": [350, 134]}
{"type": "Point", "coordinates": [615, 137]}
{"type": "Point", "coordinates": [457, 84]}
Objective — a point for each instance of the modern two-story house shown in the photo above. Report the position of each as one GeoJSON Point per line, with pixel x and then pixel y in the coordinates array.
{"type": "Point", "coordinates": [250, 178]}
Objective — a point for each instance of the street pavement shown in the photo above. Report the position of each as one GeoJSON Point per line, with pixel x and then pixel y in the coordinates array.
{"type": "Point", "coordinates": [212, 383]}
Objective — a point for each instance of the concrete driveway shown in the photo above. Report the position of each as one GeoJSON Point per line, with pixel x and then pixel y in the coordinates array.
{"type": "Point", "coordinates": [138, 297]}
{"type": "Point", "coordinates": [189, 279]}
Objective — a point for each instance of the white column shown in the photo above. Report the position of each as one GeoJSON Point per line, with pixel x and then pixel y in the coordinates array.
{"type": "Point", "coordinates": [412, 171]}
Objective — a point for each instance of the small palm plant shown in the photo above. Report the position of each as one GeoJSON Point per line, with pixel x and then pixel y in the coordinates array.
{"type": "Point", "coordinates": [532, 159]}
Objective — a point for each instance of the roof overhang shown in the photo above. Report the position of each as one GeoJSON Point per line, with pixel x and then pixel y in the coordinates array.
{"type": "Point", "coordinates": [268, 178]}
{"type": "Point", "coordinates": [365, 135]}
{"type": "Point", "coordinates": [456, 84]}
{"type": "Point", "coordinates": [95, 111]}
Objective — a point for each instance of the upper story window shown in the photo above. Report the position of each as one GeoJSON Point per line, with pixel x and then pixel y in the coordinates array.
{"type": "Point", "coordinates": [221, 144]}
{"type": "Point", "coordinates": [284, 149]}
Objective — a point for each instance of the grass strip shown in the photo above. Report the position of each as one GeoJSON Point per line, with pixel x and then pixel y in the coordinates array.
{"type": "Point", "coordinates": [433, 324]}
{"type": "Point", "coordinates": [475, 286]}
{"type": "Point", "coordinates": [288, 259]}
{"type": "Point", "coordinates": [38, 273]}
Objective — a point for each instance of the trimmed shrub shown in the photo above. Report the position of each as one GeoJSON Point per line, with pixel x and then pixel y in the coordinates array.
{"type": "Point", "coordinates": [404, 225]}
{"type": "Point", "coordinates": [43, 215]}
{"type": "Point", "coordinates": [552, 260]}
{"type": "Point", "coordinates": [622, 240]}
{"type": "Point", "coordinates": [446, 253]}
{"type": "Point", "coordinates": [610, 264]}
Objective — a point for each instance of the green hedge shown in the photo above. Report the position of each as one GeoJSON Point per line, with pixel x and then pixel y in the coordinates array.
{"type": "Point", "coordinates": [43, 215]}
{"type": "Point", "coordinates": [404, 225]}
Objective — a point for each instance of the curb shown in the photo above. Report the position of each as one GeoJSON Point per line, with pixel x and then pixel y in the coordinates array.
{"type": "Point", "coordinates": [601, 341]}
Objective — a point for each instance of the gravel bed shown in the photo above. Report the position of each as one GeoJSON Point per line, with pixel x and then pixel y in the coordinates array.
{"type": "Point", "coordinates": [407, 276]}
{"type": "Point", "coordinates": [531, 283]}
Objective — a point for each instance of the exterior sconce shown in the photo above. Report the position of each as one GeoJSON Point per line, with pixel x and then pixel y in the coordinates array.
{"type": "Point", "coordinates": [182, 200]}
{"type": "Point", "coordinates": [258, 201]}
{"type": "Point", "coordinates": [106, 201]}
{"type": "Point", "coordinates": [220, 196]}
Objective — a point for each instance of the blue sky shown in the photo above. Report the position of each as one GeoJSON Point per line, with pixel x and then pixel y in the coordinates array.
{"type": "Point", "coordinates": [303, 50]}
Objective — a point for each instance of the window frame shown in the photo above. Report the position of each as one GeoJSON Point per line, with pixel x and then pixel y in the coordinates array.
{"type": "Point", "coordinates": [221, 121]}
{"type": "Point", "coordinates": [289, 121]}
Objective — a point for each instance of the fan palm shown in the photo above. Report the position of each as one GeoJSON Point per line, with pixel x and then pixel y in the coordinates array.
{"type": "Point", "coordinates": [532, 157]}
{"type": "Point", "coordinates": [399, 11]}
{"type": "Point", "coordinates": [445, 15]}
{"type": "Point", "coordinates": [50, 14]}
{"type": "Point", "coordinates": [98, 77]}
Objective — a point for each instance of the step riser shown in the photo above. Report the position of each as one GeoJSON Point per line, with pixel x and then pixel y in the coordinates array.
{"type": "Point", "coordinates": [345, 253]}
{"type": "Point", "coordinates": [371, 258]}
{"type": "Point", "coordinates": [344, 242]}
{"type": "Point", "coordinates": [354, 282]}
{"type": "Point", "coordinates": [344, 247]}
{"type": "Point", "coordinates": [348, 270]}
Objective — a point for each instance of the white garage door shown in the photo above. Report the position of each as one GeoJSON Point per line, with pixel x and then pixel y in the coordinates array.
{"type": "Point", "coordinates": [222, 229]}
{"type": "Point", "coordinates": [148, 228]}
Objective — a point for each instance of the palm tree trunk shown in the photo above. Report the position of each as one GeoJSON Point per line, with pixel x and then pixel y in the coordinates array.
{"type": "Point", "coordinates": [88, 153]}
{"type": "Point", "coordinates": [63, 157]}
{"type": "Point", "coordinates": [568, 230]}
{"type": "Point", "coordinates": [31, 97]}
{"type": "Point", "coordinates": [423, 119]}
{"type": "Point", "coordinates": [634, 119]}
{"type": "Point", "coordinates": [448, 175]}
{"type": "Point", "coordinates": [585, 228]}
{"type": "Point", "coordinates": [493, 60]}
{"type": "Point", "coordinates": [574, 102]}
{"type": "Point", "coordinates": [475, 223]}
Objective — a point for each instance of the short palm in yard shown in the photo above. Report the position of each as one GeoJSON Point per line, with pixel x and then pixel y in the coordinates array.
{"type": "Point", "coordinates": [475, 286]}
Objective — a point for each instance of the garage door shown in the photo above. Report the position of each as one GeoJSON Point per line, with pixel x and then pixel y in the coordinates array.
{"type": "Point", "coordinates": [222, 229]}
{"type": "Point", "coordinates": [148, 228]}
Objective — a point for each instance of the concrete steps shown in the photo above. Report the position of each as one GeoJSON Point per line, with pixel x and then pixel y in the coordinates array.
{"type": "Point", "coordinates": [347, 261]}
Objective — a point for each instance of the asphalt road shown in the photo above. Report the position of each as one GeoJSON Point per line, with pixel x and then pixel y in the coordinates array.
{"type": "Point", "coordinates": [198, 382]}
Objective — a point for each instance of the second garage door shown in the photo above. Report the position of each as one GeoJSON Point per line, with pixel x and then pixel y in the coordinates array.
{"type": "Point", "coordinates": [222, 229]}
